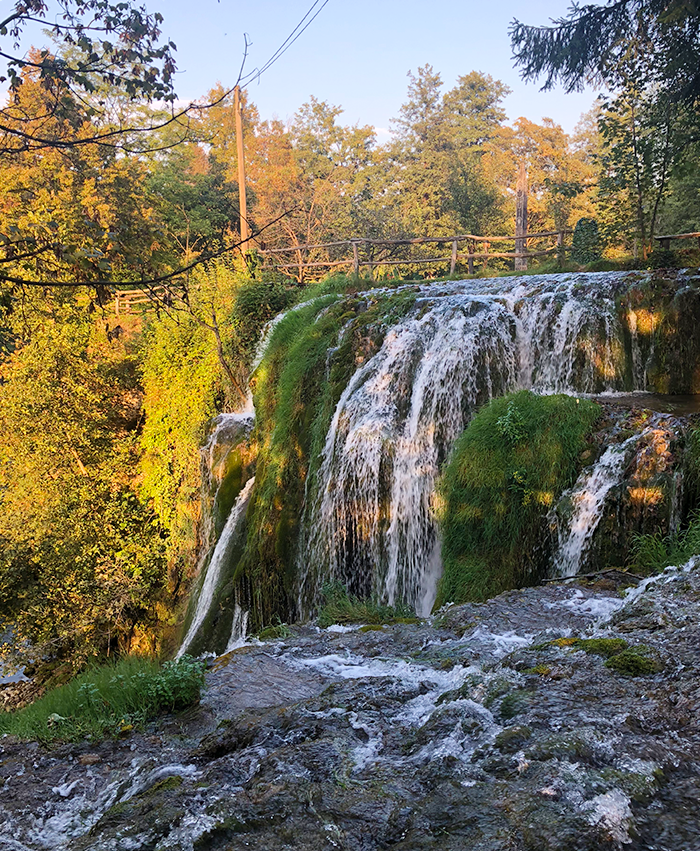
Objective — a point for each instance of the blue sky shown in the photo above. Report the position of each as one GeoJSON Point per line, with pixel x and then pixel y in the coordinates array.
{"type": "Point", "coordinates": [356, 54]}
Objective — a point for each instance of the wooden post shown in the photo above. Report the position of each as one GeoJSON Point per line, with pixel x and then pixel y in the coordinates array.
{"type": "Point", "coordinates": [486, 259]}
{"type": "Point", "coordinates": [355, 260]}
{"type": "Point", "coordinates": [370, 264]}
{"type": "Point", "coordinates": [521, 219]}
{"type": "Point", "coordinates": [237, 108]}
{"type": "Point", "coordinates": [453, 259]}
{"type": "Point", "coordinates": [470, 258]}
{"type": "Point", "coordinates": [560, 247]}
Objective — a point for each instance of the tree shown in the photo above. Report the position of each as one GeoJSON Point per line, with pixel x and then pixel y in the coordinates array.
{"type": "Point", "coordinates": [591, 43]}
{"type": "Point", "coordinates": [117, 44]}
{"type": "Point", "coordinates": [77, 214]}
{"type": "Point", "coordinates": [558, 174]}
{"type": "Point", "coordinates": [439, 184]}
{"type": "Point", "coordinates": [82, 562]}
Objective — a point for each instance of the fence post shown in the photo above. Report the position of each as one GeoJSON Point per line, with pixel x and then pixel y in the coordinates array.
{"type": "Point", "coordinates": [520, 264]}
{"type": "Point", "coordinates": [370, 263]}
{"type": "Point", "coordinates": [470, 258]}
{"type": "Point", "coordinates": [560, 247]}
{"type": "Point", "coordinates": [355, 260]}
{"type": "Point", "coordinates": [453, 259]}
{"type": "Point", "coordinates": [486, 259]}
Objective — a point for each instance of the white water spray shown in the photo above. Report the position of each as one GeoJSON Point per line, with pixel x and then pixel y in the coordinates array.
{"type": "Point", "coordinates": [588, 497]}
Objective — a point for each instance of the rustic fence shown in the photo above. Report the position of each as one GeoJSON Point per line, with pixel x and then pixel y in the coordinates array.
{"type": "Point", "coordinates": [466, 250]}
{"type": "Point", "coordinates": [126, 300]}
{"type": "Point", "coordinates": [665, 241]}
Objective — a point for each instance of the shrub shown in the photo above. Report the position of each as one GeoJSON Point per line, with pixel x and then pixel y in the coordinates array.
{"type": "Point", "coordinates": [506, 471]}
{"type": "Point", "coordinates": [587, 245]}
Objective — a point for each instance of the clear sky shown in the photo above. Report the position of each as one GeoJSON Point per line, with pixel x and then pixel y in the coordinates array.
{"type": "Point", "coordinates": [356, 53]}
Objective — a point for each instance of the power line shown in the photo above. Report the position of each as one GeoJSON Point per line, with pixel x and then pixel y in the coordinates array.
{"type": "Point", "coordinates": [298, 30]}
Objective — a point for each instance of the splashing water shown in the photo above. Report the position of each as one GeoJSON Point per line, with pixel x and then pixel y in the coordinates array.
{"type": "Point", "coordinates": [218, 560]}
{"type": "Point", "coordinates": [369, 519]}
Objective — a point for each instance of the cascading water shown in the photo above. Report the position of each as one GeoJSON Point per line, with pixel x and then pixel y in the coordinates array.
{"type": "Point", "coordinates": [219, 558]}
{"type": "Point", "coordinates": [369, 520]}
{"type": "Point", "coordinates": [587, 498]}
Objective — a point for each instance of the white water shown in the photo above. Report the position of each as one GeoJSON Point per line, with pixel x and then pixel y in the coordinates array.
{"type": "Point", "coordinates": [588, 497]}
{"type": "Point", "coordinates": [370, 519]}
{"type": "Point", "coordinates": [239, 629]}
{"type": "Point", "coordinates": [218, 560]}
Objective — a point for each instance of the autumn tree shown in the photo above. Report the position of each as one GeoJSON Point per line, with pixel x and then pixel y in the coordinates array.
{"type": "Point", "coordinates": [560, 176]}
{"type": "Point", "coordinates": [82, 567]}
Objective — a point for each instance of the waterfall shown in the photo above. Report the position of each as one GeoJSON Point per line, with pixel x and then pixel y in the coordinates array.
{"type": "Point", "coordinates": [218, 560]}
{"type": "Point", "coordinates": [369, 520]}
{"type": "Point", "coordinates": [587, 497]}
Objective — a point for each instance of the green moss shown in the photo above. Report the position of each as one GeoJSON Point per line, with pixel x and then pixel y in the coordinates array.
{"type": "Point", "coordinates": [514, 703]}
{"type": "Point", "coordinates": [506, 471]}
{"type": "Point", "coordinates": [164, 785]}
{"type": "Point", "coordinates": [635, 662]}
{"type": "Point", "coordinates": [606, 647]}
{"type": "Point", "coordinates": [540, 670]}
{"type": "Point", "coordinates": [512, 739]}
{"type": "Point", "coordinates": [371, 627]}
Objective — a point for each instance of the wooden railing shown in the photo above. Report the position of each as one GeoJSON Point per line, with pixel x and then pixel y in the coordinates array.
{"type": "Point", "coordinates": [126, 300]}
{"type": "Point", "coordinates": [373, 253]}
{"type": "Point", "coordinates": [666, 240]}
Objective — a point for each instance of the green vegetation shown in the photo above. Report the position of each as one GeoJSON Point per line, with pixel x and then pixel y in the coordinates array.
{"type": "Point", "coordinates": [82, 555]}
{"type": "Point", "coordinates": [587, 245]}
{"type": "Point", "coordinates": [606, 647]}
{"type": "Point", "coordinates": [108, 701]}
{"type": "Point", "coordinates": [342, 608]}
{"type": "Point", "coordinates": [507, 468]}
{"type": "Point", "coordinates": [634, 661]}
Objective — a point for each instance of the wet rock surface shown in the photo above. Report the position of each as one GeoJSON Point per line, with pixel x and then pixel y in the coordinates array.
{"type": "Point", "coordinates": [492, 726]}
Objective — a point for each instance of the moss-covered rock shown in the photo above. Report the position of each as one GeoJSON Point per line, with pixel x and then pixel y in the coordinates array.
{"type": "Point", "coordinates": [507, 470]}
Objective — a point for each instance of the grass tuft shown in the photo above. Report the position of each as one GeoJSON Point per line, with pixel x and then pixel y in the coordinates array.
{"type": "Point", "coordinates": [341, 608]}
{"type": "Point", "coordinates": [109, 700]}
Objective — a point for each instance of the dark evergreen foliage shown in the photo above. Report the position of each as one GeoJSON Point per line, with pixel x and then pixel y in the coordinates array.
{"type": "Point", "coordinates": [593, 41]}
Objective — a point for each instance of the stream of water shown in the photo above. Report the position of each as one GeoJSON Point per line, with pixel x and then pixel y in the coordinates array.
{"type": "Point", "coordinates": [218, 561]}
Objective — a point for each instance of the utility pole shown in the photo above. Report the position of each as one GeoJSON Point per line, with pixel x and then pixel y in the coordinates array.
{"type": "Point", "coordinates": [245, 230]}
{"type": "Point", "coordinates": [521, 219]}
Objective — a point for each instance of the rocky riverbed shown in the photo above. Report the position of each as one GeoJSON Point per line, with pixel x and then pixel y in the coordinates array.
{"type": "Point", "coordinates": [492, 726]}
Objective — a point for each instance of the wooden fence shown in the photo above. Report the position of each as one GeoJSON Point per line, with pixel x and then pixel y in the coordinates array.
{"type": "Point", "coordinates": [466, 250]}
{"type": "Point", "coordinates": [665, 241]}
{"type": "Point", "coordinates": [126, 300]}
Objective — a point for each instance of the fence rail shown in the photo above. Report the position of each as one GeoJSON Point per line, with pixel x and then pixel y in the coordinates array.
{"type": "Point", "coordinates": [373, 253]}
{"type": "Point", "coordinates": [126, 300]}
{"type": "Point", "coordinates": [666, 240]}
